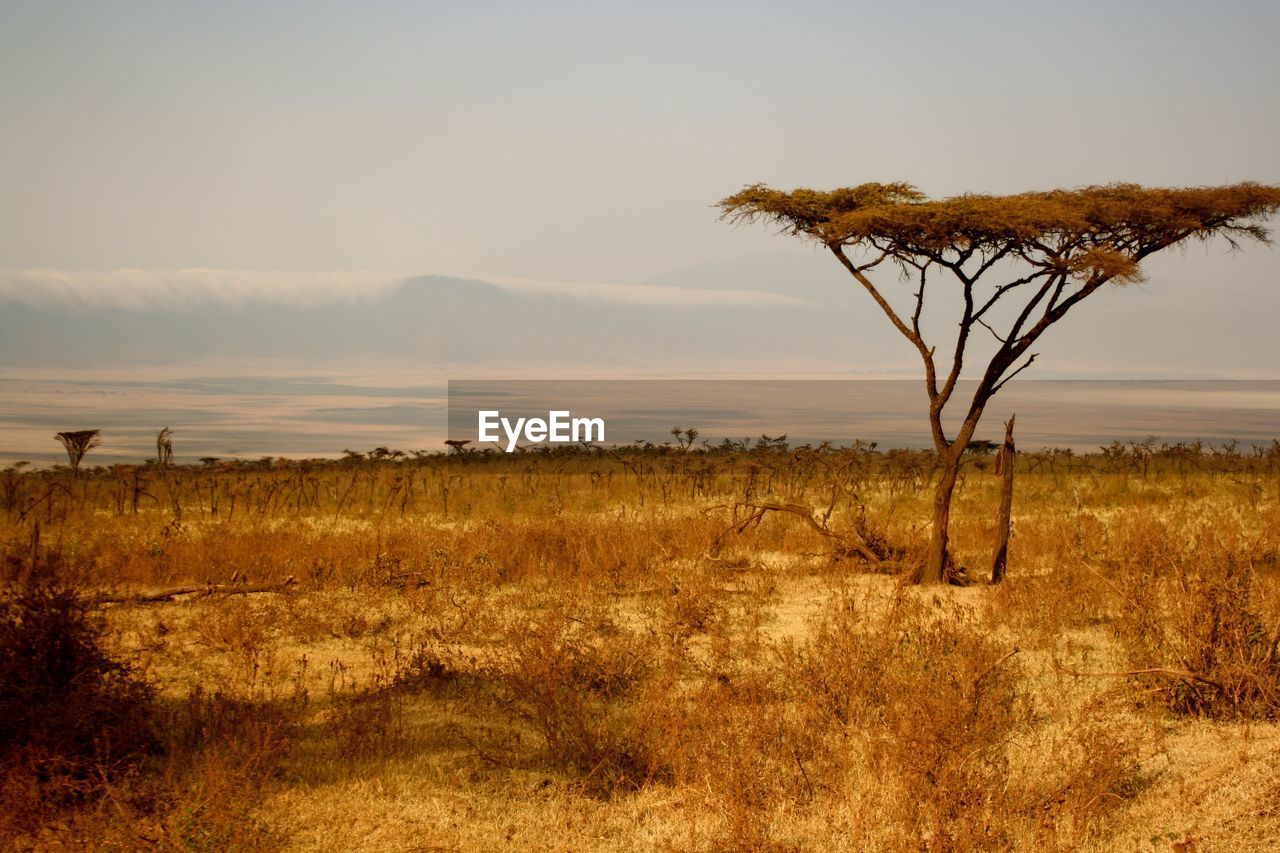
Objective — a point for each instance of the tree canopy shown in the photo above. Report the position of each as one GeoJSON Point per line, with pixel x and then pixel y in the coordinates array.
{"type": "Point", "coordinates": [77, 443]}
{"type": "Point", "coordinates": [1100, 230]}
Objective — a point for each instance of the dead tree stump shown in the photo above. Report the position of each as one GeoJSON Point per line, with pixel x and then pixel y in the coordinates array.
{"type": "Point", "coordinates": [1004, 468]}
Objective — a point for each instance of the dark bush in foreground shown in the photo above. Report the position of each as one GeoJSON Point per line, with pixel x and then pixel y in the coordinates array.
{"type": "Point", "coordinates": [71, 718]}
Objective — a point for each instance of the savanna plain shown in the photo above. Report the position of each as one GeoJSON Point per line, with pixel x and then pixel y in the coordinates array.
{"type": "Point", "coordinates": [670, 648]}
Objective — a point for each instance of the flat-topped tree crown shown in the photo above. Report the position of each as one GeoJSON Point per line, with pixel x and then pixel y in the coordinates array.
{"type": "Point", "coordinates": [1051, 249]}
{"type": "Point", "coordinates": [1102, 230]}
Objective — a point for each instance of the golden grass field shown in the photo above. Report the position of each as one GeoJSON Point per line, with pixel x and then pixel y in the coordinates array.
{"type": "Point", "coordinates": [581, 652]}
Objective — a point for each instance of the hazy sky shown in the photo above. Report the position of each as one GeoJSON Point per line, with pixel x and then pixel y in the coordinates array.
{"type": "Point", "coordinates": [582, 141]}
{"type": "Point", "coordinates": [586, 142]}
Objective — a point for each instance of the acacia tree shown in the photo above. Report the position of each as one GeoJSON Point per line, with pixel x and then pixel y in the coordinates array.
{"type": "Point", "coordinates": [1036, 255]}
{"type": "Point", "coordinates": [77, 444]}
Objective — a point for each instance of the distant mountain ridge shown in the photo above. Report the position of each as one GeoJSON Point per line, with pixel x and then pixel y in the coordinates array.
{"type": "Point", "coordinates": [431, 318]}
{"type": "Point", "coordinates": [788, 312]}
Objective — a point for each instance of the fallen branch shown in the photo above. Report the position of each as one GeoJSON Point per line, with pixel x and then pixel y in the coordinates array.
{"type": "Point", "coordinates": [404, 579]}
{"type": "Point", "coordinates": [197, 591]}
{"type": "Point", "coordinates": [1172, 673]}
{"type": "Point", "coordinates": [850, 543]}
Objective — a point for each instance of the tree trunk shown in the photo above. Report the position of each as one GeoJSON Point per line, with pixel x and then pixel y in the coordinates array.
{"type": "Point", "coordinates": [937, 564]}
{"type": "Point", "coordinates": [938, 558]}
{"type": "Point", "coordinates": [1004, 467]}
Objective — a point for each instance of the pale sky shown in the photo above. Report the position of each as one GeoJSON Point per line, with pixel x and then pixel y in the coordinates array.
{"type": "Point", "coordinates": [582, 141]}
{"type": "Point", "coordinates": [585, 142]}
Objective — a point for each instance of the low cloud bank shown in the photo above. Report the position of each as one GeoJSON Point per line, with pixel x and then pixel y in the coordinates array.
{"type": "Point", "coordinates": [188, 290]}
{"type": "Point", "coordinates": [164, 291]}
{"type": "Point", "coordinates": [645, 294]}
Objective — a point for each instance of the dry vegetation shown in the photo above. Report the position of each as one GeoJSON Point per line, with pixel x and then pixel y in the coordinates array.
{"type": "Point", "coordinates": [623, 650]}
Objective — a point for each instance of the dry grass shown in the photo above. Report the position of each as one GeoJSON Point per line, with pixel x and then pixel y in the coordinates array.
{"type": "Point", "coordinates": [546, 652]}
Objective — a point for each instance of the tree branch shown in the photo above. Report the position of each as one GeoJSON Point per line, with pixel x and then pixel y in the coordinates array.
{"type": "Point", "coordinates": [962, 339]}
{"type": "Point", "coordinates": [1005, 288]}
{"type": "Point", "coordinates": [993, 332]}
{"type": "Point", "coordinates": [857, 273]}
{"type": "Point", "coordinates": [1005, 381]}
{"type": "Point", "coordinates": [911, 333]}
{"type": "Point", "coordinates": [198, 591]}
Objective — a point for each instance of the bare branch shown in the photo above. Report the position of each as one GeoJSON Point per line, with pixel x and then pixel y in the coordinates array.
{"type": "Point", "coordinates": [962, 339]}
{"type": "Point", "coordinates": [857, 273]}
{"type": "Point", "coordinates": [910, 333]}
{"type": "Point", "coordinates": [993, 332]}
{"type": "Point", "coordinates": [1005, 381]}
{"type": "Point", "coordinates": [1005, 288]}
{"type": "Point", "coordinates": [198, 591]}
{"type": "Point", "coordinates": [850, 542]}
{"type": "Point", "coordinates": [915, 316]}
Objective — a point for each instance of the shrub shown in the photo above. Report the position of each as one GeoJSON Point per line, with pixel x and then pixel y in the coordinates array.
{"type": "Point", "coordinates": [1194, 628]}
{"type": "Point", "coordinates": [218, 753]}
{"type": "Point", "coordinates": [585, 687]}
{"type": "Point", "coordinates": [929, 701]}
{"type": "Point", "coordinates": [71, 717]}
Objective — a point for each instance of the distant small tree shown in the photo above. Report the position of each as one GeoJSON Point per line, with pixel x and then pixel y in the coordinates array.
{"type": "Point", "coordinates": [77, 444]}
{"type": "Point", "coordinates": [164, 447]}
{"type": "Point", "coordinates": [981, 447]}
{"type": "Point", "coordinates": [1049, 251]}
{"type": "Point", "coordinates": [685, 437]}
